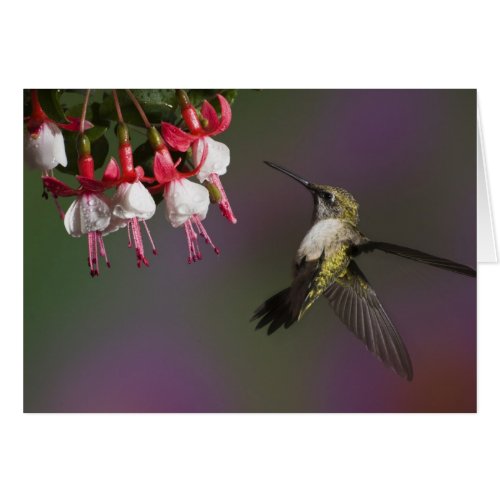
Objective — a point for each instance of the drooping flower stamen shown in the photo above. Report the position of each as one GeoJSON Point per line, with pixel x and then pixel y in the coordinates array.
{"type": "Point", "coordinates": [96, 248]}
{"type": "Point", "coordinates": [192, 240]}
{"type": "Point", "coordinates": [59, 209]}
{"type": "Point", "coordinates": [190, 226]}
{"type": "Point", "coordinates": [148, 232]}
{"type": "Point", "coordinates": [128, 234]}
{"type": "Point", "coordinates": [102, 248]}
{"type": "Point", "coordinates": [133, 228]}
{"type": "Point", "coordinates": [203, 232]}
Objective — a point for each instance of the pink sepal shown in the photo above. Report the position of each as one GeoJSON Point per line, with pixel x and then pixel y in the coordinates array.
{"type": "Point", "coordinates": [57, 187]}
{"type": "Point", "coordinates": [176, 138]}
{"type": "Point", "coordinates": [164, 168]}
{"type": "Point", "coordinates": [74, 124]}
{"type": "Point", "coordinates": [111, 173]}
{"type": "Point", "coordinates": [216, 126]}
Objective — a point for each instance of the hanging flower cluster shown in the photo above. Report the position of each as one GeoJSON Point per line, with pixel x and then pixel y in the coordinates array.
{"type": "Point", "coordinates": [123, 197]}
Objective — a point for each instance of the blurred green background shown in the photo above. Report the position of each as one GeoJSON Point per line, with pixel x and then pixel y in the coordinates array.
{"type": "Point", "coordinates": [177, 338]}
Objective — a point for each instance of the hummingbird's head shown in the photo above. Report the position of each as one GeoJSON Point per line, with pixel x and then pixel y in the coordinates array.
{"type": "Point", "coordinates": [329, 202]}
{"type": "Point", "coordinates": [333, 203]}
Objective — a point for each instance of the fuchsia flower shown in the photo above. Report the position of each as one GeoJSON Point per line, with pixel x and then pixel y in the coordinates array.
{"type": "Point", "coordinates": [43, 140]}
{"type": "Point", "coordinates": [186, 202]}
{"type": "Point", "coordinates": [132, 202]}
{"type": "Point", "coordinates": [90, 213]}
{"type": "Point", "coordinates": [217, 156]}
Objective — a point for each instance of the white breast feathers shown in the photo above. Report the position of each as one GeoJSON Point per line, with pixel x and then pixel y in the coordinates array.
{"type": "Point", "coordinates": [324, 235]}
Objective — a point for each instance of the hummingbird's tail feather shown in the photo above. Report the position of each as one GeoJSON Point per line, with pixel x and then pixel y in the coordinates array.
{"type": "Point", "coordinates": [275, 312]}
{"type": "Point", "coordinates": [417, 255]}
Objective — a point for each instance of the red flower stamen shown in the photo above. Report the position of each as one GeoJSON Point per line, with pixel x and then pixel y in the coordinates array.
{"type": "Point", "coordinates": [192, 238]}
{"type": "Point", "coordinates": [155, 251]}
{"type": "Point", "coordinates": [134, 229]}
{"type": "Point", "coordinates": [95, 241]}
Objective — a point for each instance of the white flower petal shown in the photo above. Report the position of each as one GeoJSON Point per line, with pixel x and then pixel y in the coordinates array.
{"type": "Point", "coordinates": [59, 149]}
{"type": "Point", "coordinates": [95, 212]}
{"type": "Point", "coordinates": [217, 160]}
{"type": "Point", "coordinates": [184, 199]}
{"type": "Point", "coordinates": [38, 149]}
{"type": "Point", "coordinates": [89, 212]}
{"type": "Point", "coordinates": [133, 200]}
{"type": "Point", "coordinates": [46, 150]}
{"type": "Point", "coordinates": [72, 219]}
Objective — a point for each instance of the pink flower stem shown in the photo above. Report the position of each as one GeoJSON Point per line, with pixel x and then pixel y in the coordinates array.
{"type": "Point", "coordinates": [84, 111]}
{"type": "Point", "coordinates": [139, 108]}
{"type": "Point", "coordinates": [117, 106]}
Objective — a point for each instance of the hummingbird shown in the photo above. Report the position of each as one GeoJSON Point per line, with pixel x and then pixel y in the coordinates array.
{"type": "Point", "coordinates": [325, 265]}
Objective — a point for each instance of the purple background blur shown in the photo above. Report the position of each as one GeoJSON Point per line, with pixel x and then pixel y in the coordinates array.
{"type": "Point", "coordinates": [177, 337]}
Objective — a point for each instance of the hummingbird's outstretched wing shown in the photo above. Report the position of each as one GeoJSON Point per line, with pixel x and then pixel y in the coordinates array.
{"type": "Point", "coordinates": [357, 305]}
{"type": "Point", "coordinates": [417, 255]}
{"type": "Point", "coordinates": [311, 280]}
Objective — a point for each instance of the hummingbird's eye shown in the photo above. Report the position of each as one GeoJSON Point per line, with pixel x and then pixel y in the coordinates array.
{"type": "Point", "coordinates": [328, 196]}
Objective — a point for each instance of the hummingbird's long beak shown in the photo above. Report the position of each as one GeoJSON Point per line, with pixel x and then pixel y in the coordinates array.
{"type": "Point", "coordinates": [305, 183]}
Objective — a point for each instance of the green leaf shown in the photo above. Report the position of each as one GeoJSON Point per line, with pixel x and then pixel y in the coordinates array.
{"type": "Point", "coordinates": [157, 104]}
{"type": "Point", "coordinates": [96, 132]}
{"type": "Point", "coordinates": [197, 96]}
{"type": "Point", "coordinates": [165, 97]}
{"type": "Point", "coordinates": [26, 103]}
{"type": "Point", "coordinates": [143, 156]}
{"type": "Point", "coordinates": [100, 150]}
